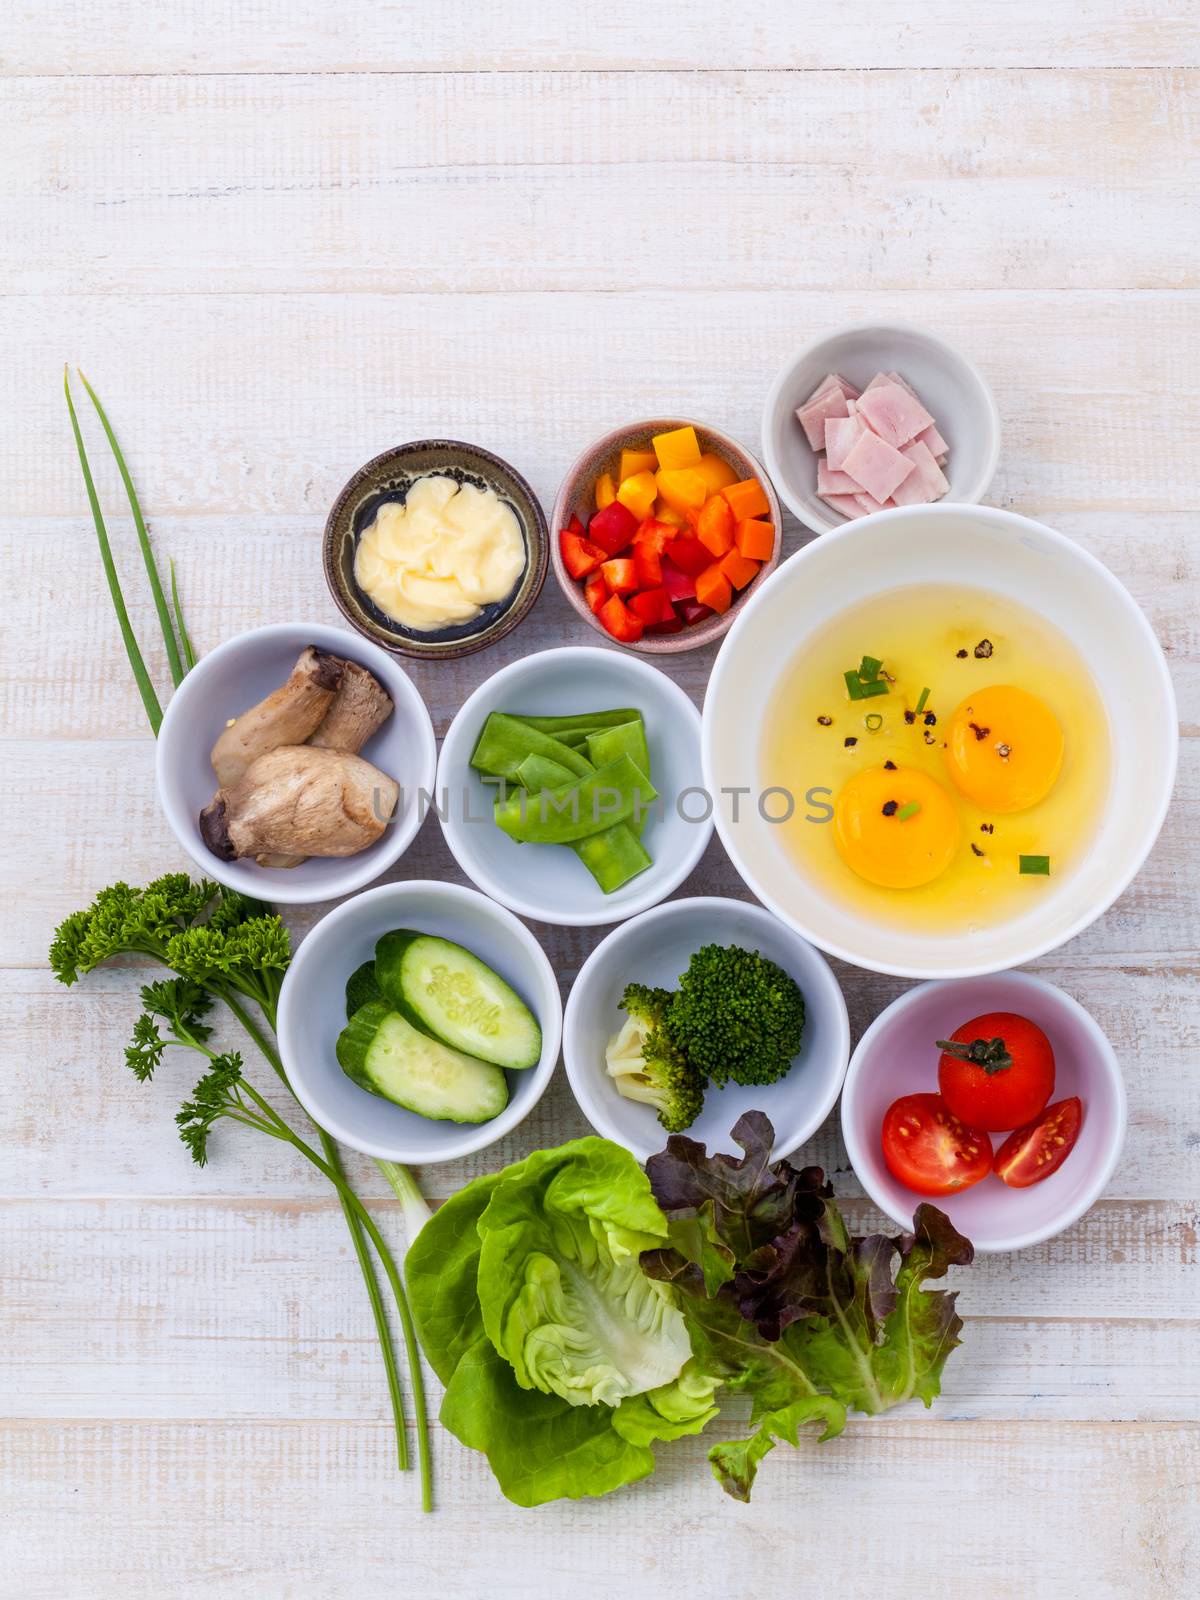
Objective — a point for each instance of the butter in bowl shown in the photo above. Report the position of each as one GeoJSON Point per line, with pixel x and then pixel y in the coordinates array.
{"type": "Point", "coordinates": [435, 549]}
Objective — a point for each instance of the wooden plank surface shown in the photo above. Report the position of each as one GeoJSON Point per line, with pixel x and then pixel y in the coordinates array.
{"type": "Point", "coordinates": [280, 237]}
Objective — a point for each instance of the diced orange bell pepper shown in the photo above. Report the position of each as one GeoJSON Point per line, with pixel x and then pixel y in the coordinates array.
{"type": "Point", "coordinates": [682, 488]}
{"type": "Point", "coordinates": [679, 448]}
{"type": "Point", "coordinates": [638, 493]}
{"type": "Point", "coordinates": [713, 589]}
{"type": "Point", "coordinates": [616, 617]}
{"type": "Point", "coordinates": [606, 490]}
{"type": "Point", "coordinates": [665, 513]}
{"type": "Point", "coordinates": [635, 461]}
{"type": "Point", "coordinates": [755, 540]}
{"type": "Point", "coordinates": [715, 529]}
{"type": "Point", "coordinates": [717, 474]}
{"type": "Point", "coordinates": [738, 569]}
{"type": "Point", "coordinates": [747, 499]}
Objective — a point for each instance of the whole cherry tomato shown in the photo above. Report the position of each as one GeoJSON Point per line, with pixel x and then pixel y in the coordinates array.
{"type": "Point", "coordinates": [996, 1071]}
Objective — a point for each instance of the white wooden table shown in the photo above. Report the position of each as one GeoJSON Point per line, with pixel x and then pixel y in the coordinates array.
{"type": "Point", "coordinates": [280, 235]}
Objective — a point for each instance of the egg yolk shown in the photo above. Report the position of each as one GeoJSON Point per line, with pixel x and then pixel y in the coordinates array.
{"type": "Point", "coordinates": [883, 839]}
{"type": "Point", "coordinates": [1004, 748]}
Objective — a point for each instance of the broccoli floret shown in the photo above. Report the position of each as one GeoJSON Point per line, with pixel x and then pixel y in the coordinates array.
{"type": "Point", "coordinates": [645, 1065]}
{"type": "Point", "coordinates": [737, 1015]}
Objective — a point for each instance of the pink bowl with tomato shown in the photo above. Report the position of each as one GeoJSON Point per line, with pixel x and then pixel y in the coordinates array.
{"type": "Point", "coordinates": [685, 623]}
{"type": "Point", "coordinates": [898, 1056]}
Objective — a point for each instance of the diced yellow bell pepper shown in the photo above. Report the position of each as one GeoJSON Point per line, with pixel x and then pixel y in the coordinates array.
{"type": "Point", "coordinates": [635, 461]}
{"type": "Point", "coordinates": [665, 513]}
{"type": "Point", "coordinates": [683, 488]}
{"type": "Point", "coordinates": [679, 448]}
{"type": "Point", "coordinates": [638, 494]}
{"type": "Point", "coordinates": [716, 473]}
{"type": "Point", "coordinates": [606, 490]}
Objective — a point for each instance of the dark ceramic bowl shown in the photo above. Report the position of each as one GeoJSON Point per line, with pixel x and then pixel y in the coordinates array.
{"type": "Point", "coordinates": [389, 477]}
{"type": "Point", "coordinates": [576, 498]}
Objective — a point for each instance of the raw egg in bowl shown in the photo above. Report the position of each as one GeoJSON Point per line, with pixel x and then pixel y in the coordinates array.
{"type": "Point", "coordinates": [940, 741]}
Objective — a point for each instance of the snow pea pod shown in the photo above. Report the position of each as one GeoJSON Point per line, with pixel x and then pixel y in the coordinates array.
{"type": "Point", "coordinates": [576, 810]}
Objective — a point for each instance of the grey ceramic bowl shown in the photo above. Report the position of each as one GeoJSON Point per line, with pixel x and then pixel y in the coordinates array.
{"type": "Point", "coordinates": [389, 477]}
{"type": "Point", "coordinates": [575, 498]}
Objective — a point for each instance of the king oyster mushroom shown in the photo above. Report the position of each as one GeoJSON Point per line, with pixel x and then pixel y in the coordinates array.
{"type": "Point", "coordinates": [300, 799]}
{"type": "Point", "coordinates": [360, 707]}
{"type": "Point", "coordinates": [288, 716]}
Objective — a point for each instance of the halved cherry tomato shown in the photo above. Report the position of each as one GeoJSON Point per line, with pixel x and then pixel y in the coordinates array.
{"type": "Point", "coordinates": [1033, 1153]}
{"type": "Point", "coordinates": [929, 1150]}
{"type": "Point", "coordinates": [996, 1071]}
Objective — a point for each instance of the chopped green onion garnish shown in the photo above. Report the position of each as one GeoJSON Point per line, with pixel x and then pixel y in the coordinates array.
{"type": "Point", "coordinates": [858, 690]}
{"type": "Point", "coordinates": [909, 810]}
{"type": "Point", "coordinates": [873, 721]}
{"type": "Point", "coordinates": [922, 700]}
{"type": "Point", "coordinates": [868, 668]}
{"type": "Point", "coordinates": [1035, 866]}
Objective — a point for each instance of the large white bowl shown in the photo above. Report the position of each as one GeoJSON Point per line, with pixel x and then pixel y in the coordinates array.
{"type": "Point", "coordinates": [985, 549]}
{"type": "Point", "coordinates": [898, 1055]}
{"type": "Point", "coordinates": [234, 677]}
{"type": "Point", "coordinates": [952, 389]}
{"type": "Point", "coordinates": [655, 948]}
{"type": "Point", "coordinates": [547, 882]}
{"type": "Point", "coordinates": [312, 1012]}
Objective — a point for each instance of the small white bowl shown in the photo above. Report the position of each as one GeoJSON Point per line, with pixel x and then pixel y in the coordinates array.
{"type": "Point", "coordinates": [547, 882]}
{"type": "Point", "coordinates": [898, 1055]}
{"type": "Point", "coordinates": [950, 387]}
{"type": "Point", "coordinates": [655, 948]}
{"type": "Point", "coordinates": [234, 677]}
{"type": "Point", "coordinates": [981, 548]}
{"type": "Point", "coordinates": [312, 1012]}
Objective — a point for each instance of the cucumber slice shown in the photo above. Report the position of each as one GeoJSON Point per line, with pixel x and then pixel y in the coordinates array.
{"type": "Point", "coordinates": [449, 994]}
{"type": "Point", "coordinates": [387, 1056]}
{"type": "Point", "coordinates": [361, 987]}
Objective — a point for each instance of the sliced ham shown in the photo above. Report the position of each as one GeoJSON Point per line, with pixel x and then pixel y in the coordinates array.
{"type": "Point", "coordinates": [830, 403]}
{"type": "Point", "coordinates": [876, 465]}
{"type": "Point", "coordinates": [894, 414]}
{"type": "Point", "coordinates": [833, 380]}
{"type": "Point", "coordinates": [925, 483]}
{"type": "Point", "coordinates": [934, 443]}
{"type": "Point", "coordinates": [846, 505]}
{"type": "Point", "coordinates": [867, 504]}
{"type": "Point", "coordinates": [831, 482]}
{"type": "Point", "coordinates": [841, 434]}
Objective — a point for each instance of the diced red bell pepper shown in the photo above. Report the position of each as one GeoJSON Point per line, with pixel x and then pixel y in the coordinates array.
{"type": "Point", "coordinates": [595, 592]}
{"type": "Point", "coordinates": [618, 620]}
{"type": "Point", "coordinates": [647, 564]}
{"type": "Point", "coordinates": [688, 554]}
{"type": "Point", "coordinates": [653, 606]}
{"type": "Point", "coordinates": [679, 585]}
{"type": "Point", "coordinates": [653, 533]}
{"type": "Point", "coordinates": [580, 555]}
{"type": "Point", "coordinates": [692, 612]}
{"type": "Point", "coordinates": [620, 575]}
{"type": "Point", "coordinates": [674, 626]}
{"type": "Point", "coordinates": [613, 528]}
{"type": "Point", "coordinates": [575, 526]}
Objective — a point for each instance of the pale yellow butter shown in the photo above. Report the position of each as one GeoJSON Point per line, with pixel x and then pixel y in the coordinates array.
{"type": "Point", "coordinates": [442, 556]}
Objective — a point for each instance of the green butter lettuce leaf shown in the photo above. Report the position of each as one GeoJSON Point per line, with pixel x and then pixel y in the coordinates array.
{"type": "Point", "coordinates": [562, 1294]}
{"type": "Point", "coordinates": [786, 1304]}
{"type": "Point", "coordinates": [441, 1269]}
{"type": "Point", "coordinates": [539, 1447]}
{"type": "Point", "coordinates": [562, 1361]}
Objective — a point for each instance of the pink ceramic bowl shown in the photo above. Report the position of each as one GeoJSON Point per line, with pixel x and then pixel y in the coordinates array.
{"type": "Point", "coordinates": [897, 1055]}
{"type": "Point", "coordinates": [575, 498]}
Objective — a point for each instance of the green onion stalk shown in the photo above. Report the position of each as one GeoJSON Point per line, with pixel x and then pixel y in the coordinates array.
{"type": "Point", "coordinates": [223, 947]}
